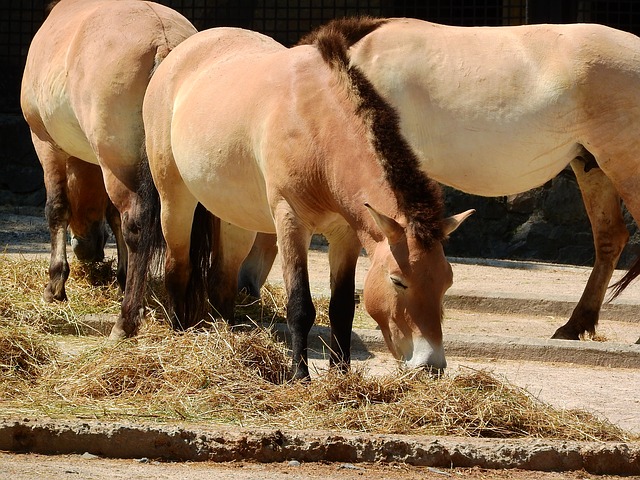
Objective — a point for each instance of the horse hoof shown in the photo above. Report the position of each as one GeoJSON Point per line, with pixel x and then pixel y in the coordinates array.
{"type": "Point", "coordinates": [564, 333]}
{"type": "Point", "coordinates": [117, 333]}
{"type": "Point", "coordinates": [51, 297]}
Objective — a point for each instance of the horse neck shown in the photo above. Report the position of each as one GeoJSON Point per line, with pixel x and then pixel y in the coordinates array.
{"type": "Point", "coordinates": [361, 180]}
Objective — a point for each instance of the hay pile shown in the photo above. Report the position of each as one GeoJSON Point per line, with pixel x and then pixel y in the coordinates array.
{"type": "Point", "coordinates": [24, 352]}
{"type": "Point", "coordinates": [239, 377]}
{"type": "Point", "coordinates": [91, 290]}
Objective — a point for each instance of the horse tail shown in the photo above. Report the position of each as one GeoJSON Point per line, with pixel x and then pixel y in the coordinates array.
{"type": "Point", "coordinates": [151, 244]}
{"type": "Point", "coordinates": [619, 287]}
{"type": "Point", "coordinates": [205, 234]}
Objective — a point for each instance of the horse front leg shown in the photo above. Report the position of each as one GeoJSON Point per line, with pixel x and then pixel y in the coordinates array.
{"type": "Point", "coordinates": [344, 249]}
{"type": "Point", "coordinates": [294, 240]}
{"type": "Point", "coordinates": [57, 212]}
{"type": "Point", "coordinates": [610, 235]}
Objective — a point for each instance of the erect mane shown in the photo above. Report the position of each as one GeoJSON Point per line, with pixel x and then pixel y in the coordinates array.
{"type": "Point", "coordinates": [419, 197]}
{"type": "Point", "coordinates": [351, 29]}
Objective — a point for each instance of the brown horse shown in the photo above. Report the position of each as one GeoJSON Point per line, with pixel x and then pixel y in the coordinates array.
{"type": "Point", "coordinates": [499, 110]}
{"type": "Point", "coordinates": [293, 141]}
{"type": "Point", "coordinates": [86, 73]}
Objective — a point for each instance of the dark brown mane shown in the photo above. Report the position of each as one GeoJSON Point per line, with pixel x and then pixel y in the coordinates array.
{"type": "Point", "coordinates": [419, 197]}
{"type": "Point", "coordinates": [351, 29]}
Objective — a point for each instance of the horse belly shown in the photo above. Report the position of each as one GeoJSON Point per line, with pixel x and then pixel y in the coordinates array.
{"type": "Point", "coordinates": [516, 150]}
{"type": "Point", "coordinates": [231, 189]}
{"type": "Point", "coordinates": [69, 136]}
{"type": "Point", "coordinates": [494, 168]}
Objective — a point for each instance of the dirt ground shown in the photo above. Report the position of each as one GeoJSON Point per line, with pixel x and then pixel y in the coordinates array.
{"type": "Point", "coordinates": [610, 392]}
{"type": "Point", "coordinates": [29, 466]}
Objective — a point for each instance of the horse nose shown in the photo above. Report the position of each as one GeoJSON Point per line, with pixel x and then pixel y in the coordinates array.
{"type": "Point", "coordinates": [87, 250]}
{"type": "Point", "coordinates": [427, 354]}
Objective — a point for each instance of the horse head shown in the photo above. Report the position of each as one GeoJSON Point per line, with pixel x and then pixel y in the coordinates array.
{"type": "Point", "coordinates": [404, 290]}
{"type": "Point", "coordinates": [89, 240]}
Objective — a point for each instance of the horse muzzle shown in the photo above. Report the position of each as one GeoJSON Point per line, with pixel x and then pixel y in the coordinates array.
{"type": "Point", "coordinates": [425, 354]}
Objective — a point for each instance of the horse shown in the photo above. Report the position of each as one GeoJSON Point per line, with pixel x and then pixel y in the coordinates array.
{"type": "Point", "coordinates": [270, 139]}
{"type": "Point", "coordinates": [85, 76]}
{"type": "Point", "coordinates": [497, 111]}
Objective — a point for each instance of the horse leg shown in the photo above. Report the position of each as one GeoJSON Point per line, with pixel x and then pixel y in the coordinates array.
{"type": "Point", "coordinates": [115, 223]}
{"type": "Point", "coordinates": [344, 249]}
{"type": "Point", "coordinates": [233, 246]}
{"type": "Point", "coordinates": [294, 240]}
{"type": "Point", "coordinates": [57, 212]}
{"type": "Point", "coordinates": [123, 192]}
{"type": "Point", "coordinates": [256, 267]}
{"type": "Point", "coordinates": [610, 235]}
{"type": "Point", "coordinates": [177, 215]}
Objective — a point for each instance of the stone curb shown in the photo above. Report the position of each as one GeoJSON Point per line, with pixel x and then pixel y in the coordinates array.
{"type": "Point", "coordinates": [621, 312]}
{"type": "Point", "coordinates": [184, 443]}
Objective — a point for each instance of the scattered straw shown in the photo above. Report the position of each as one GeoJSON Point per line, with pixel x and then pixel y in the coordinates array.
{"type": "Point", "coordinates": [239, 377]}
{"type": "Point", "coordinates": [23, 282]}
{"type": "Point", "coordinates": [24, 351]}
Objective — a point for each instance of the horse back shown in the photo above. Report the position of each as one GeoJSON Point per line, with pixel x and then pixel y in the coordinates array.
{"type": "Point", "coordinates": [91, 60]}
{"type": "Point", "coordinates": [262, 140]}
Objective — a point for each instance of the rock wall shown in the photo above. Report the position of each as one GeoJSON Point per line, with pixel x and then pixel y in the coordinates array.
{"type": "Point", "coordinates": [548, 223]}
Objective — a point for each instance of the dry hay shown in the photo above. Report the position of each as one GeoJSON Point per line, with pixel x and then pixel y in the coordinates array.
{"type": "Point", "coordinates": [90, 288]}
{"type": "Point", "coordinates": [24, 354]}
{"type": "Point", "coordinates": [238, 377]}
{"type": "Point", "coordinates": [272, 307]}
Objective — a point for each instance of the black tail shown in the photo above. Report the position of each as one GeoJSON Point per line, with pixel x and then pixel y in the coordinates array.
{"type": "Point", "coordinates": [619, 287]}
{"type": "Point", "coordinates": [205, 233]}
{"type": "Point", "coordinates": [150, 245]}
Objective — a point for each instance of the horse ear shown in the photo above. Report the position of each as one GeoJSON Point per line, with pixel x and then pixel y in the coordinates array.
{"type": "Point", "coordinates": [450, 224]}
{"type": "Point", "coordinates": [390, 228]}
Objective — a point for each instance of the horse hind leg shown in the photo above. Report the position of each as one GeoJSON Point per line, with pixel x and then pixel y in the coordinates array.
{"type": "Point", "coordinates": [231, 249]}
{"type": "Point", "coordinates": [257, 265]}
{"type": "Point", "coordinates": [57, 212]}
{"type": "Point", "coordinates": [610, 235]}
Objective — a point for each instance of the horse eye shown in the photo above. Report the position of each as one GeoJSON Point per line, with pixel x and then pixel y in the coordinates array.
{"type": "Point", "coordinates": [398, 283]}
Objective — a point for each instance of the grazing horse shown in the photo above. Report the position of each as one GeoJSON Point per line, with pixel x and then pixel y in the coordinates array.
{"type": "Point", "coordinates": [499, 110]}
{"type": "Point", "coordinates": [85, 76]}
{"type": "Point", "coordinates": [292, 141]}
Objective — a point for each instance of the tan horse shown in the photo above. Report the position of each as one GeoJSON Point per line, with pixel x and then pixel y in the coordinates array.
{"type": "Point", "coordinates": [279, 140]}
{"type": "Point", "coordinates": [86, 73]}
{"type": "Point", "coordinates": [499, 110]}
